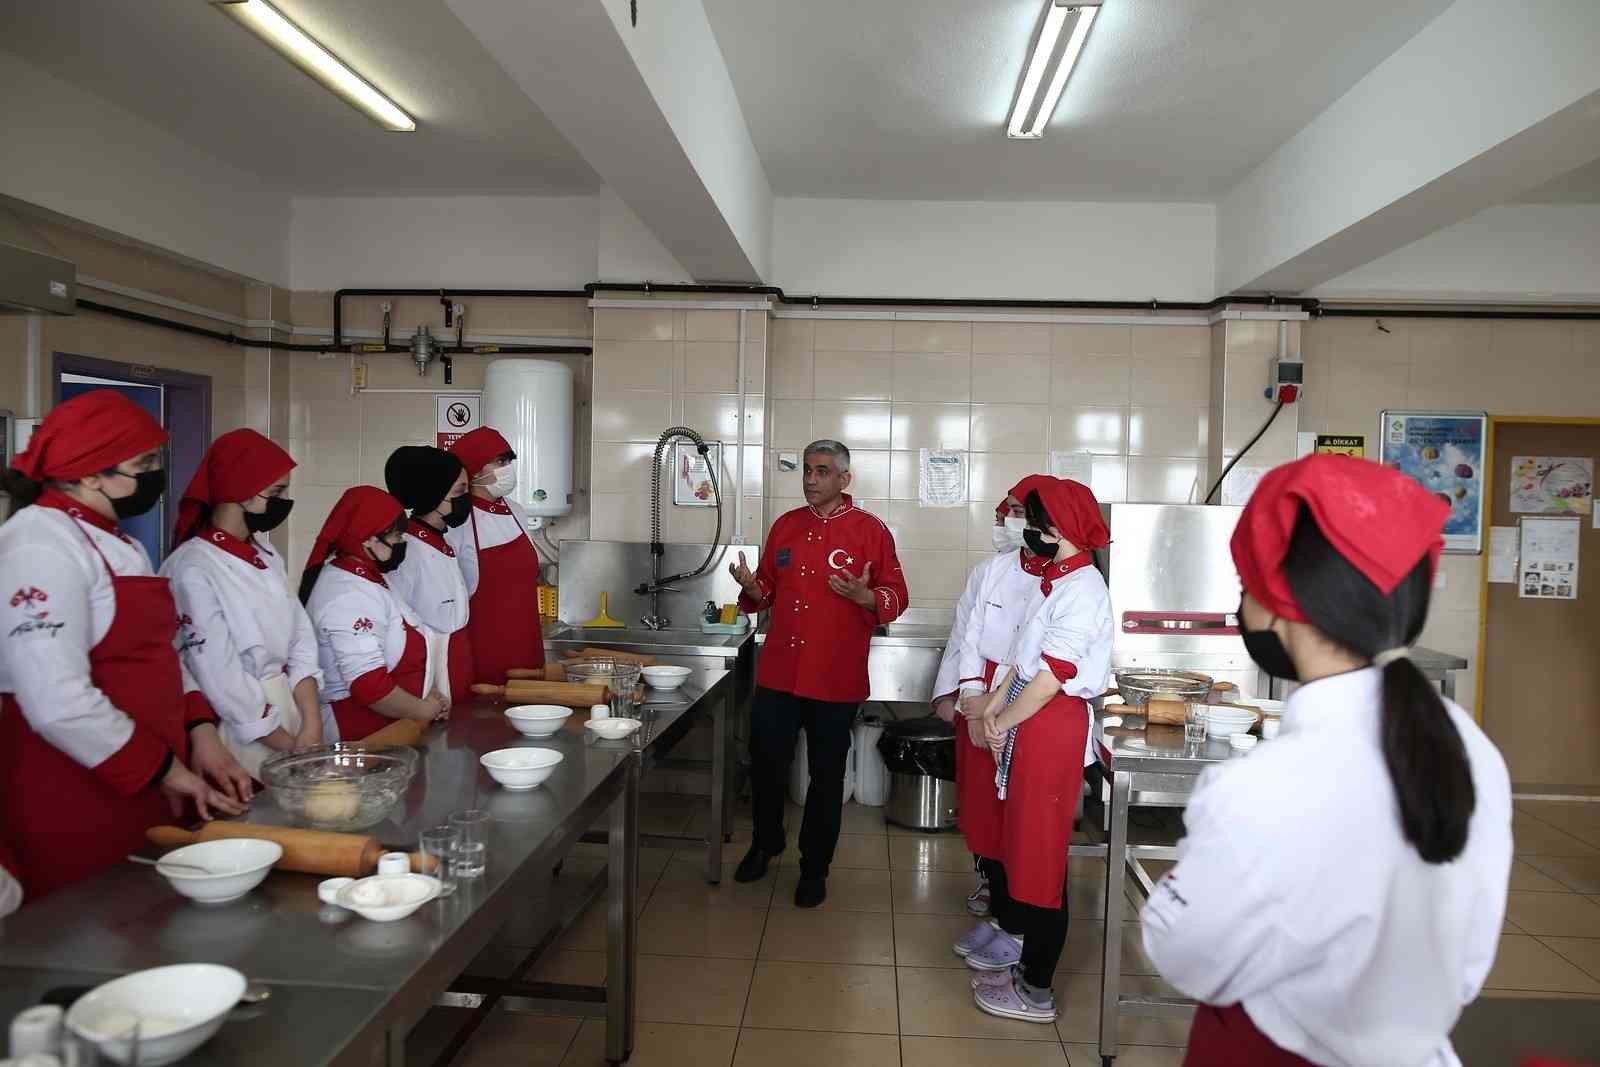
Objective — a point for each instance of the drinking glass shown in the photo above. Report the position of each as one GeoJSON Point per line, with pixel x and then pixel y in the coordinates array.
{"type": "Point", "coordinates": [1194, 723]}
{"type": "Point", "coordinates": [472, 850]}
{"type": "Point", "coordinates": [438, 848]}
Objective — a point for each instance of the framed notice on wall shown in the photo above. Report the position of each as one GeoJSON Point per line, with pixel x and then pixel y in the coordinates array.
{"type": "Point", "coordinates": [1549, 566]}
{"type": "Point", "coordinates": [1444, 451]}
{"type": "Point", "coordinates": [692, 474]}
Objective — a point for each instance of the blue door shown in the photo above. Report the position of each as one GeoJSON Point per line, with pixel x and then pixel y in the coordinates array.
{"type": "Point", "coordinates": [150, 528]}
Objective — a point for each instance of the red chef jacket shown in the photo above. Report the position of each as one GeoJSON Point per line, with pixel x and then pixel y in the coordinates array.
{"type": "Point", "coordinates": [816, 639]}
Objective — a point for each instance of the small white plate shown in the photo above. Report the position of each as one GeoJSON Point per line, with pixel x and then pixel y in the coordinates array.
{"type": "Point", "coordinates": [613, 729]}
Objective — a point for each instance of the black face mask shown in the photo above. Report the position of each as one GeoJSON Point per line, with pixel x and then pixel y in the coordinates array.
{"type": "Point", "coordinates": [1266, 648]}
{"type": "Point", "coordinates": [278, 509]}
{"type": "Point", "coordinates": [397, 556]}
{"type": "Point", "coordinates": [146, 494]}
{"type": "Point", "coordinates": [1038, 545]}
{"type": "Point", "coordinates": [460, 508]}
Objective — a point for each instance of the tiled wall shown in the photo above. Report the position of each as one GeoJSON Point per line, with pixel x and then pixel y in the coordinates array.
{"type": "Point", "coordinates": [655, 368]}
{"type": "Point", "coordinates": [1354, 370]}
{"type": "Point", "coordinates": [341, 437]}
{"type": "Point", "coordinates": [1007, 394]}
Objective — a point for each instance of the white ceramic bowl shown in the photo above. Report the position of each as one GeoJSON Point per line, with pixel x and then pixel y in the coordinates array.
{"type": "Point", "coordinates": [612, 729]}
{"type": "Point", "coordinates": [178, 1009]}
{"type": "Point", "coordinates": [1221, 723]}
{"type": "Point", "coordinates": [237, 865]}
{"type": "Point", "coordinates": [538, 720]}
{"type": "Point", "coordinates": [384, 898]}
{"type": "Point", "coordinates": [665, 678]}
{"type": "Point", "coordinates": [1242, 743]}
{"type": "Point", "coordinates": [521, 768]}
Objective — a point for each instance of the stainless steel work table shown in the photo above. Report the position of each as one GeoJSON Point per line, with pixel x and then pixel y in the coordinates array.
{"type": "Point", "coordinates": [377, 979]}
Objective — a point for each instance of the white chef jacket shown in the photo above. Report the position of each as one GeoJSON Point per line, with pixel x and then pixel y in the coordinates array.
{"type": "Point", "coordinates": [1297, 895]}
{"type": "Point", "coordinates": [430, 581]}
{"type": "Point", "coordinates": [239, 625]}
{"type": "Point", "coordinates": [46, 666]}
{"type": "Point", "coordinates": [988, 616]}
{"type": "Point", "coordinates": [1073, 624]}
{"type": "Point", "coordinates": [360, 627]}
{"type": "Point", "coordinates": [492, 530]}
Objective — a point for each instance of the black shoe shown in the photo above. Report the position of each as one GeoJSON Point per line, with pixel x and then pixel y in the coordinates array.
{"type": "Point", "coordinates": [810, 892]}
{"type": "Point", "coordinates": [753, 867]}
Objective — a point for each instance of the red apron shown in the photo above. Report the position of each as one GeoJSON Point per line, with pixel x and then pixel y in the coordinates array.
{"type": "Point", "coordinates": [1226, 1037]}
{"type": "Point", "coordinates": [980, 810]}
{"type": "Point", "coordinates": [63, 821]}
{"type": "Point", "coordinates": [356, 720]}
{"type": "Point", "coordinates": [504, 624]}
{"type": "Point", "coordinates": [459, 654]}
{"type": "Point", "coordinates": [1041, 799]}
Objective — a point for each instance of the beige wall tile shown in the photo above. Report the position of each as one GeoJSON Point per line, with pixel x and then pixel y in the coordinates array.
{"type": "Point", "coordinates": [755, 467]}
{"type": "Point", "coordinates": [619, 516]}
{"type": "Point", "coordinates": [853, 335]}
{"type": "Point", "coordinates": [1164, 481]}
{"type": "Point", "coordinates": [791, 373]}
{"type": "Point", "coordinates": [1009, 428]}
{"type": "Point", "coordinates": [700, 325]}
{"type": "Point", "coordinates": [1171, 342]}
{"type": "Point", "coordinates": [932, 528]}
{"type": "Point", "coordinates": [869, 474]}
{"type": "Point", "coordinates": [755, 365]}
{"type": "Point", "coordinates": [851, 376]}
{"type": "Point", "coordinates": [1076, 379]}
{"type": "Point", "coordinates": [991, 475]}
{"type": "Point", "coordinates": [685, 526]}
{"type": "Point", "coordinates": [791, 424]}
{"type": "Point", "coordinates": [620, 467]}
{"type": "Point", "coordinates": [933, 574]}
{"type": "Point", "coordinates": [633, 365]}
{"type": "Point", "coordinates": [903, 475]}
{"type": "Point", "coordinates": [933, 378]}
{"type": "Point", "coordinates": [858, 424]}
{"type": "Point", "coordinates": [1010, 338]}
{"type": "Point", "coordinates": [1168, 380]}
{"type": "Point", "coordinates": [777, 507]}
{"type": "Point", "coordinates": [713, 415]}
{"type": "Point", "coordinates": [791, 335]}
{"type": "Point", "coordinates": [1102, 430]}
{"type": "Point", "coordinates": [980, 523]}
{"type": "Point", "coordinates": [1109, 479]}
{"type": "Point", "coordinates": [918, 426]}
{"type": "Point", "coordinates": [1010, 379]}
{"type": "Point", "coordinates": [933, 337]}
{"type": "Point", "coordinates": [228, 410]}
{"type": "Point", "coordinates": [633, 324]}
{"type": "Point", "coordinates": [332, 464]}
{"type": "Point", "coordinates": [1246, 337]}
{"type": "Point", "coordinates": [1369, 384]}
{"type": "Point", "coordinates": [630, 414]}
{"type": "Point", "coordinates": [711, 366]}
{"type": "Point", "coordinates": [1088, 339]}
{"type": "Point", "coordinates": [1178, 432]}
{"type": "Point", "coordinates": [398, 417]}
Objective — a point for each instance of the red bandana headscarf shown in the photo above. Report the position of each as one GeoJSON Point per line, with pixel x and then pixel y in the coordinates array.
{"type": "Point", "coordinates": [237, 466]}
{"type": "Point", "coordinates": [479, 448]}
{"type": "Point", "coordinates": [1378, 519]}
{"type": "Point", "coordinates": [88, 434]}
{"type": "Point", "coordinates": [1074, 511]}
{"type": "Point", "coordinates": [1020, 492]}
{"type": "Point", "coordinates": [364, 511]}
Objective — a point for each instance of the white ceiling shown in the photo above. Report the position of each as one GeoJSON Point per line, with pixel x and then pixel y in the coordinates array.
{"type": "Point", "coordinates": [195, 72]}
{"type": "Point", "coordinates": [1581, 186]}
{"type": "Point", "coordinates": [1172, 99]}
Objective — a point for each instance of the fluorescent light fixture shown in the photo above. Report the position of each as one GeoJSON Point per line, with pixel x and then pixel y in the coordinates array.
{"type": "Point", "coordinates": [266, 22]}
{"type": "Point", "coordinates": [1028, 122]}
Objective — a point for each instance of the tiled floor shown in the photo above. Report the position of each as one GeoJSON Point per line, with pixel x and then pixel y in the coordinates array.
{"type": "Point", "coordinates": [736, 976]}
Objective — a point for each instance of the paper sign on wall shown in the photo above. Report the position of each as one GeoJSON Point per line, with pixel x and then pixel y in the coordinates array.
{"type": "Point", "coordinates": [692, 474]}
{"type": "Point", "coordinates": [1078, 466]}
{"type": "Point", "coordinates": [456, 415]}
{"type": "Point", "coordinates": [1502, 554]}
{"type": "Point", "coordinates": [1551, 485]}
{"type": "Point", "coordinates": [941, 478]}
{"type": "Point", "coordinates": [1240, 485]}
{"type": "Point", "coordinates": [1549, 567]}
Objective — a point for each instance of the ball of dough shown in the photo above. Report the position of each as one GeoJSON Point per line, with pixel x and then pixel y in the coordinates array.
{"type": "Point", "coordinates": [332, 801]}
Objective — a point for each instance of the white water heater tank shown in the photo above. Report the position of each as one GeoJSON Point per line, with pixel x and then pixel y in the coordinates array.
{"type": "Point", "coordinates": [530, 402]}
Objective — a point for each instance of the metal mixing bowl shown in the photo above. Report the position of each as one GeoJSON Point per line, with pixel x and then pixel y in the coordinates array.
{"type": "Point", "coordinates": [343, 786]}
{"type": "Point", "coordinates": [1138, 685]}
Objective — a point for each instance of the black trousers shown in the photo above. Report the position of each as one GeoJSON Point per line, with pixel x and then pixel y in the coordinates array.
{"type": "Point", "coordinates": [1043, 930]}
{"type": "Point", "coordinates": [776, 719]}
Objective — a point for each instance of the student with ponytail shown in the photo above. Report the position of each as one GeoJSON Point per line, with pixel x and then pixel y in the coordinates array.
{"type": "Point", "coordinates": [1339, 895]}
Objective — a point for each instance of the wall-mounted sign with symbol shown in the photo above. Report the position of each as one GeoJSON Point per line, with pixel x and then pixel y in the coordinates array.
{"type": "Point", "coordinates": [455, 415]}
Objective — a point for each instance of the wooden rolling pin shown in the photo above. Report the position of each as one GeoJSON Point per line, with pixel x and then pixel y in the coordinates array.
{"type": "Point", "coordinates": [567, 694]}
{"type": "Point", "coordinates": [1165, 712]}
{"type": "Point", "coordinates": [612, 654]}
{"type": "Point", "coordinates": [310, 851]}
{"type": "Point", "coordinates": [550, 672]}
{"type": "Point", "coordinates": [404, 732]}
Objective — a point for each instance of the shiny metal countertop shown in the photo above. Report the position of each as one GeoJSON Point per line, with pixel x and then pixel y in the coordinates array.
{"type": "Point", "coordinates": [674, 642]}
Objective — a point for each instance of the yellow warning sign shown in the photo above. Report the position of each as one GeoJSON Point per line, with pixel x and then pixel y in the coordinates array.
{"type": "Point", "coordinates": [1342, 444]}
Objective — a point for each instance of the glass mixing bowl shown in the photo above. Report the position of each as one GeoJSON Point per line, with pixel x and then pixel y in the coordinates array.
{"type": "Point", "coordinates": [343, 786]}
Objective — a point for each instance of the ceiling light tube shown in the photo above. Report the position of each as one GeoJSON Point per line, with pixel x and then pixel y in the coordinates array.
{"type": "Point", "coordinates": [266, 22]}
{"type": "Point", "coordinates": [1028, 123]}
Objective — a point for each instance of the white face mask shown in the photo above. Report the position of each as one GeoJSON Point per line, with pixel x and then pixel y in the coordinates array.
{"type": "Point", "coordinates": [1008, 538]}
{"type": "Point", "coordinates": [505, 480]}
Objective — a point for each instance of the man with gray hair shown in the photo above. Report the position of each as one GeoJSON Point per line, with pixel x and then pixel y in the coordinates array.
{"type": "Point", "coordinates": [828, 575]}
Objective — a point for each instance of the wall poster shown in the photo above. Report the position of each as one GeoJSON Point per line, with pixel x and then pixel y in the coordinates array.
{"type": "Point", "coordinates": [1551, 485]}
{"type": "Point", "coordinates": [1444, 451]}
{"type": "Point", "coordinates": [1549, 564]}
{"type": "Point", "coordinates": [692, 474]}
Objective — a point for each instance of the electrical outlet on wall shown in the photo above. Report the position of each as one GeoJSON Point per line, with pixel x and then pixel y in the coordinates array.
{"type": "Point", "coordinates": [358, 375]}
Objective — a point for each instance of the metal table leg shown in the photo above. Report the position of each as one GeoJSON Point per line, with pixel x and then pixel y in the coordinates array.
{"type": "Point", "coordinates": [622, 917]}
{"type": "Point", "coordinates": [1116, 888]}
{"type": "Point", "coordinates": [721, 716]}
